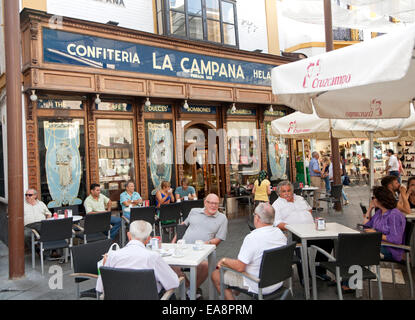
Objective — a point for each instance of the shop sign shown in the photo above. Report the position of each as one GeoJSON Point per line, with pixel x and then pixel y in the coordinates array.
{"type": "Point", "coordinates": [119, 3]}
{"type": "Point", "coordinates": [101, 53]}
{"type": "Point", "coordinates": [158, 108]}
{"type": "Point", "coordinates": [242, 112]}
{"type": "Point", "coordinates": [198, 109]}
{"type": "Point", "coordinates": [276, 113]}
{"type": "Point", "coordinates": [59, 104]}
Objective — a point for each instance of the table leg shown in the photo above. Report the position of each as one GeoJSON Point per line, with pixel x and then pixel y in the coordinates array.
{"type": "Point", "coordinates": [304, 263]}
{"type": "Point", "coordinates": [192, 283]}
{"type": "Point", "coordinates": [212, 266]}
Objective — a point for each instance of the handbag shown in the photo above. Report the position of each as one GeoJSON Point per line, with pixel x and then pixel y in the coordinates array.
{"type": "Point", "coordinates": [346, 181]}
{"type": "Point", "coordinates": [111, 251]}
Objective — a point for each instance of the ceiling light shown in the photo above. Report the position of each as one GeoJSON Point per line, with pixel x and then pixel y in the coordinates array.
{"type": "Point", "coordinates": [33, 96]}
{"type": "Point", "coordinates": [185, 105]}
{"type": "Point", "coordinates": [233, 107]}
{"type": "Point", "coordinates": [97, 99]}
{"type": "Point", "coordinates": [271, 109]}
{"type": "Point", "coordinates": [147, 103]}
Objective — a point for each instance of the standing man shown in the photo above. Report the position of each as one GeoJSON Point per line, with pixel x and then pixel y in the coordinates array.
{"type": "Point", "coordinates": [315, 178]}
{"type": "Point", "coordinates": [392, 166]}
{"type": "Point", "coordinates": [262, 238]}
{"type": "Point", "coordinates": [97, 202]}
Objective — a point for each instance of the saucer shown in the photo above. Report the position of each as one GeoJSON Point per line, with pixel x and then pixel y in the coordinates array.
{"type": "Point", "coordinates": [177, 256]}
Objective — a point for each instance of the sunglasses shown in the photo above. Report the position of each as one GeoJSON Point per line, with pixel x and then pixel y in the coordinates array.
{"type": "Point", "coordinates": [29, 194]}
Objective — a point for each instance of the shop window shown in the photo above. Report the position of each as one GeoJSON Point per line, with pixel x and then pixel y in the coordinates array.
{"type": "Point", "coordinates": [244, 149]}
{"type": "Point", "coordinates": [277, 156]}
{"type": "Point", "coordinates": [116, 156]}
{"type": "Point", "coordinates": [208, 20]}
{"type": "Point", "coordinates": [62, 161]}
{"type": "Point", "coordinates": [112, 106]}
{"type": "Point", "coordinates": [160, 154]}
{"type": "Point", "coordinates": [59, 104]}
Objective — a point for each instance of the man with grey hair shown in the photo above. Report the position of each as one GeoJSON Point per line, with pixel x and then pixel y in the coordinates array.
{"type": "Point", "coordinates": [264, 237]}
{"type": "Point", "coordinates": [34, 212]}
{"type": "Point", "coordinates": [315, 179]}
{"type": "Point", "coordinates": [135, 256]}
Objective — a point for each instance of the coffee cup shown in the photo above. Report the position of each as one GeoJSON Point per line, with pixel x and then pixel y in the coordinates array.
{"type": "Point", "coordinates": [199, 244]}
{"type": "Point", "coordinates": [186, 198]}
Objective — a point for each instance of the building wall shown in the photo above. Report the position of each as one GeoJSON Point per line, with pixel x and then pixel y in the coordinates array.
{"type": "Point", "coordinates": [136, 14]}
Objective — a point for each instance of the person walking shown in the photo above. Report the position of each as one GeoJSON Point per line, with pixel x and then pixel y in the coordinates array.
{"type": "Point", "coordinates": [392, 165]}
{"type": "Point", "coordinates": [325, 173]}
{"type": "Point", "coordinates": [315, 179]}
{"type": "Point", "coordinates": [261, 188]}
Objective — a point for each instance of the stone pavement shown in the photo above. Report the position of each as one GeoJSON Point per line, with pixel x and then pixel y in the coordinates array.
{"type": "Point", "coordinates": [35, 286]}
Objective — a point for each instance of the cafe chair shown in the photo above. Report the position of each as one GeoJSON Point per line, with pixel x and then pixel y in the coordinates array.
{"type": "Point", "coordinates": [140, 213]}
{"type": "Point", "coordinates": [222, 208]}
{"type": "Point", "coordinates": [85, 258]}
{"type": "Point", "coordinates": [276, 266]}
{"type": "Point", "coordinates": [335, 197]}
{"type": "Point", "coordinates": [250, 222]}
{"type": "Point", "coordinates": [180, 231]}
{"type": "Point", "coordinates": [357, 249]}
{"type": "Point", "coordinates": [96, 227]}
{"type": "Point", "coordinates": [188, 205]}
{"type": "Point", "coordinates": [298, 191]}
{"type": "Point", "coordinates": [54, 234]}
{"type": "Point", "coordinates": [409, 229]}
{"type": "Point", "coordinates": [170, 212]}
{"type": "Point", "coordinates": [363, 208]}
{"type": "Point", "coordinates": [132, 284]}
{"type": "Point", "coordinates": [273, 197]}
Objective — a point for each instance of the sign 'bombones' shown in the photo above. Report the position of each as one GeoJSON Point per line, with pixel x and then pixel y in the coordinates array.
{"type": "Point", "coordinates": [89, 51]}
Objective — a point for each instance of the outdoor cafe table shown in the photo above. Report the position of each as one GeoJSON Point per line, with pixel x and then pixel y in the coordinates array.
{"type": "Point", "coordinates": [308, 232]}
{"type": "Point", "coordinates": [191, 259]}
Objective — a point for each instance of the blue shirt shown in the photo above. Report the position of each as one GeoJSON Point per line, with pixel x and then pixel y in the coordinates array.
{"type": "Point", "coordinates": [185, 193]}
{"type": "Point", "coordinates": [125, 197]}
{"type": "Point", "coordinates": [314, 165]}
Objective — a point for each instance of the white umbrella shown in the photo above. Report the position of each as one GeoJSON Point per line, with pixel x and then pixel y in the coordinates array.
{"type": "Point", "coordinates": [368, 80]}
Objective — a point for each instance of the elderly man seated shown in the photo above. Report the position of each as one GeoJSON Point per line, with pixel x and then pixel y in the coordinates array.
{"type": "Point", "coordinates": [264, 237]}
{"type": "Point", "coordinates": [293, 209]}
{"type": "Point", "coordinates": [207, 224]}
{"type": "Point", "coordinates": [135, 256]}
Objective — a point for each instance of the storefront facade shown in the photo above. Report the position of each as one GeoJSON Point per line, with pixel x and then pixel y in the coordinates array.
{"type": "Point", "coordinates": [112, 107]}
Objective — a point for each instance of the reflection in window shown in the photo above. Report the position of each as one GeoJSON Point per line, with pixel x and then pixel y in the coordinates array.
{"type": "Point", "coordinates": [116, 156]}
{"type": "Point", "coordinates": [228, 14]}
{"type": "Point", "coordinates": [177, 5]}
{"type": "Point", "coordinates": [229, 34]}
{"type": "Point", "coordinates": [194, 6]}
{"type": "Point", "coordinates": [212, 9]}
{"type": "Point", "coordinates": [244, 152]}
{"type": "Point", "coordinates": [178, 24]}
{"type": "Point", "coordinates": [213, 31]}
{"type": "Point", "coordinates": [196, 28]}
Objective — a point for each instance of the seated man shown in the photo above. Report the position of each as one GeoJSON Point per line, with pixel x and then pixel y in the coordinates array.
{"type": "Point", "coordinates": [264, 237]}
{"type": "Point", "coordinates": [97, 202]}
{"type": "Point", "coordinates": [185, 192]}
{"type": "Point", "coordinates": [293, 209]}
{"type": "Point", "coordinates": [129, 198]}
{"type": "Point", "coordinates": [135, 256]}
{"type": "Point", "coordinates": [206, 224]}
{"type": "Point", "coordinates": [34, 212]}
{"type": "Point", "coordinates": [392, 183]}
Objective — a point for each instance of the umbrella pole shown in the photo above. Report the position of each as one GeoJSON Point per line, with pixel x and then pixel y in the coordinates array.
{"type": "Point", "coordinates": [371, 166]}
{"type": "Point", "coordinates": [305, 170]}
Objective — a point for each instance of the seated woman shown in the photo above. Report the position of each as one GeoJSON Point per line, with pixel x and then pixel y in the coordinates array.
{"type": "Point", "coordinates": [164, 196]}
{"type": "Point", "coordinates": [388, 220]}
{"type": "Point", "coordinates": [129, 198]}
{"type": "Point", "coordinates": [411, 192]}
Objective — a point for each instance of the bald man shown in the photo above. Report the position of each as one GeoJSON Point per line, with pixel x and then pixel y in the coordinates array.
{"type": "Point", "coordinates": [207, 224]}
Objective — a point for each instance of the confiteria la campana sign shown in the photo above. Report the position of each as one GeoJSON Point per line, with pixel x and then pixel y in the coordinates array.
{"type": "Point", "coordinates": [88, 51]}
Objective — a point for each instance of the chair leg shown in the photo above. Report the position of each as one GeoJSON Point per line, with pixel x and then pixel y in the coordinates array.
{"type": "Point", "coordinates": [379, 282]}
{"type": "Point", "coordinates": [70, 252]}
{"type": "Point", "coordinates": [33, 250]}
{"type": "Point", "coordinates": [393, 274]}
{"type": "Point", "coordinates": [41, 257]}
{"type": "Point", "coordinates": [369, 288]}
{"type": "Point", "coordinates": [78, 294]}
{"type": "Point", "coordinates": [312, 265]}
{"type": "Point", "coordinates": [161, 232]}
{"type": "Point", "coordinates": [339, 286]}
{"type": "Point", "coordinates": [222, 286]}
{"type": "Point", "coordinates": [409, 270]}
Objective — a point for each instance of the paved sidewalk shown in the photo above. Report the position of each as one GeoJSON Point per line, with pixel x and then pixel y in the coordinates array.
{"type": "Point", "coordinates": [36, 286]}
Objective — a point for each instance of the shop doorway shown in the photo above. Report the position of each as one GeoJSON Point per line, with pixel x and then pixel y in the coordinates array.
{"type": "Point", "coordinates": [201, 165]}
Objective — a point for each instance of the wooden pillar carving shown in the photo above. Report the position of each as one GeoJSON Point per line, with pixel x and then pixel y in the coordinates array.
{"type": "Point", "coordinates": [263, 139]}
{"type": "Point", "coordinates": [32, 147]}
{"type": "Point", "coordinates": [225, 144]}
{"type": "Point", "coordinates": [92, 144]}
{"type": "Point", "coordinates": [179, 144]}
{"type": "Point", "coordinates": [142, 158]}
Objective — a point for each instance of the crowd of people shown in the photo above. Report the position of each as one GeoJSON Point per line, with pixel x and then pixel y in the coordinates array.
{"type": "Point", "coordinates": [386, 214]}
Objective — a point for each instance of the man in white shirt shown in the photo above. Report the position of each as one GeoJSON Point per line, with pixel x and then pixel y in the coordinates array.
{"type": "Point", "coordinates": [34, 212]}
{"type": "Point", "coordinates": [135, 256]}
{"type": "Point", "coordinates": [264, 237]}
{"type": "Point", "coordinates": [290, 208]}
{"type": "Point", "coordinates": [392, 166]}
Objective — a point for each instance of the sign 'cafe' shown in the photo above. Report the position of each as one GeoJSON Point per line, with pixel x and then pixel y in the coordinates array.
{"type": "Point", "coordinates": [116, 105]}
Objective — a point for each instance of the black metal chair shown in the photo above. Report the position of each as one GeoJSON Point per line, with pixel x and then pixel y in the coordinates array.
{"type": "Point", "coordinates": [54, 234]}
{"type": "Point", "coordinates": [273, 197]}
{"type": "Point", "coordinates": [140, 213]}
{"type": "Point", "coordinates": [132, 284]}
{"type": "Point", "coordinates": [96, 227]}
{"type": "Point", "coordinates": [356, 249]}
{"type": "Point", "coordinates": [409, 229]}
{"type": "Point", "coordinates": [74, 208]}
{"type": "Point", "coordinates": [298, 191]}
{"type": "Point", "coordinates": [250, 222]}
{"type": "Point", "coordinates": [187, 206]}
{"type": "Point", "coordinates": [335, 197]}
{"type": "Point", "coordinates": [222, 208]}
{"type": "Point", "coordinates": [276, 266]}
{"type": "Point", "coordinates": [180, 231]}
{"type": "Point", "coordinates": [85, 258]}
{"type": "Point", "coordinates": [363, 208]}
{"type": "Point", "coordinates": [168, 212]}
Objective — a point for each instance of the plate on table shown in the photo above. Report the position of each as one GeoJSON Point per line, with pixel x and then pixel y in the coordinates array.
{"type": "Point", "coordinates": [165, 253]}
{"type": "Point", "coordinates": [178, 255]}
